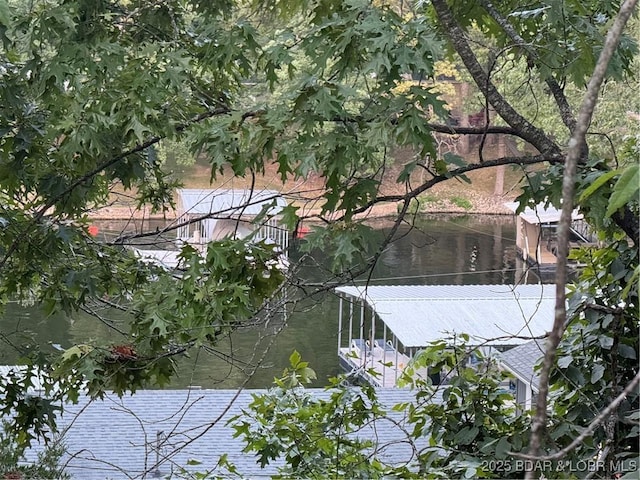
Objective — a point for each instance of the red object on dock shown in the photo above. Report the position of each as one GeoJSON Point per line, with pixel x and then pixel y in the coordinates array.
{"type": "Point", "coordinates": [302, 231]}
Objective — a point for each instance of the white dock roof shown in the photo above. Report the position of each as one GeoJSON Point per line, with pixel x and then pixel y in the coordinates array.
{"type": "Point", "coordinates": [541, 214]}
{"type": "Point", "coordinates": [420, 314]}
{"type": "Point", "coordinates": [229, 202]}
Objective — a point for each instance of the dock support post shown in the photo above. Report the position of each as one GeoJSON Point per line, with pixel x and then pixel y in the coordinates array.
{"type": "Point", "coordinates": [350, 324]}
{"type": "Point", "coordinates": [384, 352]}
{"type": "Point", "coordinates": [397, 367]}
{"type": "Point", "coordinates": [340, 324]}
{"type": "Point", "coordinates": [363, 361]}
{"type": "Point", "coordinates": [373, 339]}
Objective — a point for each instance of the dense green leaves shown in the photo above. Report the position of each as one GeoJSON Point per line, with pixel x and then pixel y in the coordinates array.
{"type": "Point", "coordinates": [474, 425]}
{"type": "Point", "coordinates": [99, 97]}
{"type": "Point", "coordinates": [598, 355]}
{"type": "Point", "coordinates": [315, 436]}
{"type": "Point", "coordinates": [625, 190]}
{"type": "Point", "coordinates": [567, 54]}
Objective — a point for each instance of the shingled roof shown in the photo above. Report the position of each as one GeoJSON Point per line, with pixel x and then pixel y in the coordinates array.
{"type": "Point", "coordinates": [521, 361]}
{"type": "Point", "coordinates": [154, 433]}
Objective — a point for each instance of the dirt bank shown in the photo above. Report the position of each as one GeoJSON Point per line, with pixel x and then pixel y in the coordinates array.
{"type": "Point", "coordinates": [478, 204]}
{"type": "Point", "coordinates": [452, 196]}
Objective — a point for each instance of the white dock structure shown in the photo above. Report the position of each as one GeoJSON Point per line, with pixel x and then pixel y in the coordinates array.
{"type": "Point", "coordinates": [213, 214]}
{"type": "Point", "coordinates": [380, 328]}
{"type": "Point", "coordinates": [536, 232]}
{"type": "Point", "coordinates": [207, 215]}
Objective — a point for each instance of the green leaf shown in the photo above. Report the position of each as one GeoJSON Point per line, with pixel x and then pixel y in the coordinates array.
{"type": "Point", "coordinates": [605, 342]}
{"type": "Point", "coordinates": [307, 375]}
{"type": "Point", "coordinates": [625, 189]}
{"type": "Point", "coordinates": [159, 325]}
{"type": "Point", "coordinates": [503, 447]}
{"type": "Point", "coordinates": [76, 351]}
{"type": "Point", "coordinates": [597, 183]}
{"type": "Point", "coordinates": [294, 359]}
{"type": "Point", "coordinates": [453, 159]}
{"type": "Point", "coordinates": [632, 475]}
{"type": "Point", "coordinates": [464, 178]}
{"type": "Point", "coordinates": [564, 362]}
{"type": "Point", "coordinates": [289, 216]}
{"type": "Point", "coordinates": [138, 129]}
{"type": "Point", "coordinates": [471, 472]}
{"type": "Point", "coordinates": [441, 167]}
{"type": "Point", "coordinates": [466, 435]}
{"type": "Point", "coordinates": [407, 169]}
{"type": "Point", "coordinates": [626, 351]}
{"type": "Point", "coordinates": [596, 373]}
{"type": "Point", "coordinates": [5, 13]}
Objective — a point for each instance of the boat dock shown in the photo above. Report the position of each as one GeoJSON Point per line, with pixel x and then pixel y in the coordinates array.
{"type": "Point", "coordinates": [206, 215]}
{"type": "Point", "coordinates": [536, 233]}
{"type": "Point", "coordinates": [381, 328]}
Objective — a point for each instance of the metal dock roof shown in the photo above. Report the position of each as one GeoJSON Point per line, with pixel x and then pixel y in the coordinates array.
{"type": "Point", "coordinates": [154, 434]}
{"type": "Point", "coordinates": [541, 214]}
{"type": "Point", "coordinates": [245, 202]}
{"type": "Point", "coordinates": [420, 314]}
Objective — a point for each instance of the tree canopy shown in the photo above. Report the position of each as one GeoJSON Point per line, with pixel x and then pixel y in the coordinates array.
{"type": "Point", "coordinates": [91, 91]}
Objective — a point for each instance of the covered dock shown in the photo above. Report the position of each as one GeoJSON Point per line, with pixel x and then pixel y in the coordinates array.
{"type": "Point", "coordinates": [536, 232]}
{"type": "Point", "coordinates": [207, 215]}
{"type": "Point", "coordinates": [213, 214]}
{"type": "Point", "coordinates": [380, 328]}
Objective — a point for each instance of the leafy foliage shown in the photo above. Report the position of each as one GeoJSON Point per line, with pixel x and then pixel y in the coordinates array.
{"type": "Point", "coordinates": [314, 436]}
{"type": "Point", "coordinates": [91, 92]}
{"type": "Point", "coordinates": [12, 464]}
{"type": "Point", "coordinates": [214, 296]}
{"type": "Point", "coordinates": [459, 428]}
{"type": "Point", "coordinates": [476, 424]}
{"type": "Point", "coordinates": [598, 357]}
{"type": "Point", "coordinates": [27, 407]}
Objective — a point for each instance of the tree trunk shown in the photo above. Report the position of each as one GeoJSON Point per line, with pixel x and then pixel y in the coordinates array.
{"type": "Point", "coordinates": [498, 188]}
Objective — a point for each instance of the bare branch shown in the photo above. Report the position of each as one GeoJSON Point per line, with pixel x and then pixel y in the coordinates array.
{"type": "Point", "coordinates": [532, 134]}
{"type": "Point", "coordinates": [455, 130]}
{"type": "Point", "coordinates": [601, 417]}
{"type": "Point", "coordinates": [568, 188]}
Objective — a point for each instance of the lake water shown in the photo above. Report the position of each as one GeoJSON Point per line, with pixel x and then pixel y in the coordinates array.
{"type": "Point", "coordinates": [441, 250]}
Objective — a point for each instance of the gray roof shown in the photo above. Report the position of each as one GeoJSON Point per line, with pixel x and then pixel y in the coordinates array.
{"type": "Point", "coordinates": [541, 213]}
{"type": "Point", "coordinates": [420, 314]}
{"type": "Point", "coordinates": [521, 361]}
{"type": "Point", "coordinates": [36, 382]}
{"type": "Point", "coordinates": [152, 433]}
{"type": "Point", "coordinates": [229, 202]}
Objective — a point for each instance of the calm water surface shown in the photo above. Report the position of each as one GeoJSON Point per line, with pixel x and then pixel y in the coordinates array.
{"type": "Point", "coordinates": [440, 250]}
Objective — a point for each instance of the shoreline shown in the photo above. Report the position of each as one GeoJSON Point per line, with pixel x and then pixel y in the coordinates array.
{"type": "Point", "coordinates": [479, 205]}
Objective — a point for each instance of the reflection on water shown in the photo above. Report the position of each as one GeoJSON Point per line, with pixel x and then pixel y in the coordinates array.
{"type": "Point", "coordinates": [437, 250]}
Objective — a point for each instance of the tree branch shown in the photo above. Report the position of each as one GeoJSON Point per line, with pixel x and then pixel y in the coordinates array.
{"type": "Point", "coordinates": [448, 129]}
{"type": "Point", "coordinates": [568, 188]}
{"type": "Point", "coordinates": [530, 133]}
{"type": "Point", "coordinates": [601, 417]}
{"type": "Point", "coordinates": [525, 160]}
{"type": "Point", "coordinates": [558, 94]}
